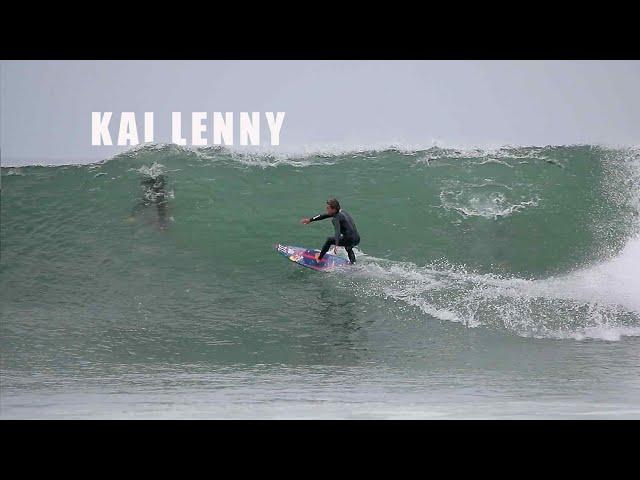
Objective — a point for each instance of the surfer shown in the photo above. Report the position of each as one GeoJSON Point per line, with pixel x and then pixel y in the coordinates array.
{"type": "Point", "coordinates": [346, 234]}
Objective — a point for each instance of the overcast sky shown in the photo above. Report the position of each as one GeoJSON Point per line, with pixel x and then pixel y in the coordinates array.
{"type": "Point", "coordinates": [46, 105]}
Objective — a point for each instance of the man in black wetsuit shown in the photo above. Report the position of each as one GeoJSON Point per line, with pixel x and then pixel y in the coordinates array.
{"type": "Point", "coordinates": [346, 233]}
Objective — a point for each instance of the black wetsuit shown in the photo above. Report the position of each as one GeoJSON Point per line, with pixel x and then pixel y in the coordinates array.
{"type": "Point", "coordinates": [346, 233]}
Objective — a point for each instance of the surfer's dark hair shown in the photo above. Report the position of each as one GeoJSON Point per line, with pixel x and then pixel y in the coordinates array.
{"type": "Point", "coordinates": [334, 203]}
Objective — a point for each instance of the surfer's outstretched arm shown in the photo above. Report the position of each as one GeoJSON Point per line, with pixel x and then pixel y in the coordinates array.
{"type": "Point", "coordinates": [315, 219]}
{"type": "Point", "coordinates": [321, 216]}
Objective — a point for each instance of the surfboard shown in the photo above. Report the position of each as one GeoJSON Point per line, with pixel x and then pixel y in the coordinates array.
{"type": "Point", "coordinates": [307, 258]}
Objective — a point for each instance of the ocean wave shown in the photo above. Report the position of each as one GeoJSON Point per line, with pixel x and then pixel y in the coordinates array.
{"type": "Point", "coordinates": [550, 250]}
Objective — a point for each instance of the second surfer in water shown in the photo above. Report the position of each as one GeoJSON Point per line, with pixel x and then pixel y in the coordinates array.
{"type": "Point", "coordinates": [346, 234]}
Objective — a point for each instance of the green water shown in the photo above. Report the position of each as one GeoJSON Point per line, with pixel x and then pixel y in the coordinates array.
{"type": "Point", "coordinates": [488, 283]}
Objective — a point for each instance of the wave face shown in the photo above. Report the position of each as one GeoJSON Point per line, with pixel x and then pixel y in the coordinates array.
{"type": "Point", "coordinates": [165, 253]}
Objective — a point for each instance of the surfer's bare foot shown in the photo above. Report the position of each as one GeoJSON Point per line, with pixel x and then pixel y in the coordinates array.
{"type": "Point", "coordinates": [318, 259]}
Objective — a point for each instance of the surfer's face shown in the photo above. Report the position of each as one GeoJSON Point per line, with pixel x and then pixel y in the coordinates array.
{"type": "Point", "coordinates": [331, 210]}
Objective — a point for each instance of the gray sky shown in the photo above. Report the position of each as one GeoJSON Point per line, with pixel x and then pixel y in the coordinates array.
{"type": "Point", "coordinates": [46, 105]}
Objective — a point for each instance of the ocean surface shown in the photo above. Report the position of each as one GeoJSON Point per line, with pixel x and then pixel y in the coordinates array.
{"type": "Point", "coordinates": [490, 284]}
